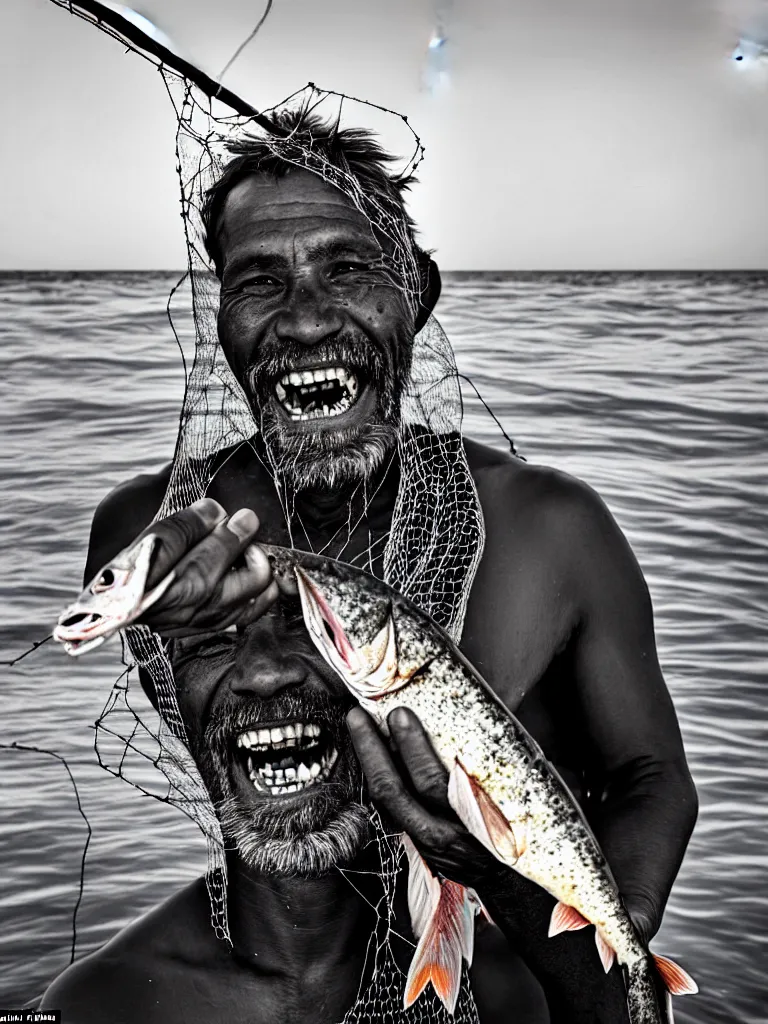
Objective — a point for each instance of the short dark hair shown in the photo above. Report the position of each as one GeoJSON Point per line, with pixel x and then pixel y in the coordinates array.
{"type": "Point", "coordinates": [354, 151]}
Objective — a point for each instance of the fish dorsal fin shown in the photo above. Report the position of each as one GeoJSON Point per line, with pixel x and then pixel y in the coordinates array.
{"type": "Point", "coordinates": [481, 816]}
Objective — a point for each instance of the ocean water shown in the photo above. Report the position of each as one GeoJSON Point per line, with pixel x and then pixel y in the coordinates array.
{"type": "Point", "coordinates": [651, 388]}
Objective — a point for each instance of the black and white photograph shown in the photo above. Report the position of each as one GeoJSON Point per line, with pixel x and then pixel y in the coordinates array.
{"type": "Point", "coordinates": [384, 534]}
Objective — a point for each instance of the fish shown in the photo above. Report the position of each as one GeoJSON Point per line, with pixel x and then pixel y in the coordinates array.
{"type": "Point", "coordinates": [113, 599]}
{"type": "Point", "coordinates": [389, 654]}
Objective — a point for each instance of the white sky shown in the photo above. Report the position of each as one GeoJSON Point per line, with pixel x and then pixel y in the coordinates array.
{"type": "Point", "coordinates": [577, 134]}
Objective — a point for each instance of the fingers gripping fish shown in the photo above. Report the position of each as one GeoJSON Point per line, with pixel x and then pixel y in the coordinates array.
{"type": "Point", "coordinates": [390, 654]}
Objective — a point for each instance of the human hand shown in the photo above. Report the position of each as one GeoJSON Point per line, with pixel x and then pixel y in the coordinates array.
{"type": "Point", "coordinates": [202, 544]}
{"type": "Point", "coordinates": [410, 784]}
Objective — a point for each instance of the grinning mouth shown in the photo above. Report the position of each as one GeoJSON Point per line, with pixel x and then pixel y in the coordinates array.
{"type": "Point", "coordinates": [321, 392]}
{"type": "Point", "coordinates": [287, 758]}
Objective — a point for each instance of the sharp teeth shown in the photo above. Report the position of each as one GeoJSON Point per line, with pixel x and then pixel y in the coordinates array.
{"type": "Point", "coordinates": [315, 770]}
{"type": "Point", "coordinates": [304, 773]}
{"type": "Point", "coordinates": [280, 392]}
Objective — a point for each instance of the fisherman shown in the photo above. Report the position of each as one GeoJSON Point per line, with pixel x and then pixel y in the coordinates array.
{"type": "Point", "coordinates": [559, 622]}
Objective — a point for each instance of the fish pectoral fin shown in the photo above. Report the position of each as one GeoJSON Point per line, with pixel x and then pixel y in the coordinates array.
{"type": "Point", "coordinates": [678, 981]}
{"type": "Point", "coordinates": [565, 919]}
{"type": "Point", "coordinates": [481, 816]}
{"type": "Point", "coordinates": [606, 952]}
{"type": "Point", "coordinates": [440, 950]}
{"type": "Point", "coordinates": [380, 660]}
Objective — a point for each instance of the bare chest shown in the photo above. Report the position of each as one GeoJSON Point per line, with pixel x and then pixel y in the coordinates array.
{"type": "Point", "coordinates": [520, 616]}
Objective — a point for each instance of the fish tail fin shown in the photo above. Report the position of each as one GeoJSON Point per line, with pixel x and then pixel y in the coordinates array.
{"type": "Point", "coordinates": [446, 939]}
{"type": "Point", "coordinates": [650, 984]}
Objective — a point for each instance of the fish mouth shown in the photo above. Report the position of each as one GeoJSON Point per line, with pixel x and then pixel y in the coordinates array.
{"type": "Point", "coordinates": [82, 631]}
{"type": "Point", "coordinates": [325, 396]}
{"type": "Point", "coordinates": [286, 759]}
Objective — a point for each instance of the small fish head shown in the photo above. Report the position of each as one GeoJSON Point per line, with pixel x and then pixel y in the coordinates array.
{"type": "Point", "coordinates": [113, 598]}
{"type": "Point", "coordinates": [369, 670]}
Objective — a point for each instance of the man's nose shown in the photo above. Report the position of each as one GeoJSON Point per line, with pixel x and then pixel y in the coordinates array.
{"type": "Point", "coordinates": [310, 316]}
{"type": "Point", "coordinates": [265, 668]}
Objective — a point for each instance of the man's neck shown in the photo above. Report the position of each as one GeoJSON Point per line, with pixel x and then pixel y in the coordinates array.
{"type": "Point", "coordinates": [288, 926]}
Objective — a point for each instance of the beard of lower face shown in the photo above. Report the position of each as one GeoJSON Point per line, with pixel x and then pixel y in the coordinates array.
{"type": "Point", "coordinates": [326, 829]}
{"type": "Point", "coordinates": [327, 458]}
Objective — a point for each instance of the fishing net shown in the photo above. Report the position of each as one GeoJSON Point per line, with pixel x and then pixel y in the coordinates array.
{"type": "Point", "coordinates": [436, 538]}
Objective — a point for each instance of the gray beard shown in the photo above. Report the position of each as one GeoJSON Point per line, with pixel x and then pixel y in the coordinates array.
{"type": "Point", "coordinates": [311, 462]}
{"type": "Point", "coordinates": [294, 853]}
{"type": "Point", "coordinates": [328, 828]}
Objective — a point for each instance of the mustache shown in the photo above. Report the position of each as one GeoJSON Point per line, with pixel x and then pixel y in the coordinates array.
{"type": "Point", "coordinates": [348, 348]}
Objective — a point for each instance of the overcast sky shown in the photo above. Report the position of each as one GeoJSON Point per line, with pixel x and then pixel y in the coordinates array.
{"type": "Point", "coordinates": [575, 134]}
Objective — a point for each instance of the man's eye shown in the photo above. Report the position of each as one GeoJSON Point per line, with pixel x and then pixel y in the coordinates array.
{"type": "Point", "coordinates": [212, 643]}
{"type": "Point", "coordinates": [261, 281]}
{"type": "Point", "coordinates": [347, 267]}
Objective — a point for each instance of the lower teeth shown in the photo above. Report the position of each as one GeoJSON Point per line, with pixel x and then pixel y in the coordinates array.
{"type": "Point", "coordinates": [265, 781]}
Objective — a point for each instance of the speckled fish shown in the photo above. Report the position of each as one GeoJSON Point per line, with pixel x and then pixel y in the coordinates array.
{"type": "Point", "coordinates": [503, 789]}
{"type": "Point", "coordinates": [390, 654]}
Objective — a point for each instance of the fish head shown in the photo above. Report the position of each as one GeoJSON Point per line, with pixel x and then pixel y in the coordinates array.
{"type": "Point", "coordinates": [369, 669]}
{"type": "Point", "coordinates": [114, 598]}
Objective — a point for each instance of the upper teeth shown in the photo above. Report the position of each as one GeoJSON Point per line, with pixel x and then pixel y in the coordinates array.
{"type": "Point", "coordinates": [278, 736]}
{"type": "Point", "coordinates": [310, 385]}
{"type": "Point", "coordinates": [299, 377]}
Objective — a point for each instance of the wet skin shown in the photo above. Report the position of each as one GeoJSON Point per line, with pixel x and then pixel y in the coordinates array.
{"type": "Point", "coordinates": [559, 622]}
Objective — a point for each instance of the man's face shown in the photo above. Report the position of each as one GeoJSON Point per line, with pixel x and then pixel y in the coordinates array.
{"type": "Point", "coordinates": [267, 731]}
{"type": "Point", "coordinates": [315, 325]}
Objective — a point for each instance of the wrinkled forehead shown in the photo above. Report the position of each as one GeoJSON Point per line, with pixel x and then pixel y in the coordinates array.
{"type": "Point", "coordinates": [293, 213]}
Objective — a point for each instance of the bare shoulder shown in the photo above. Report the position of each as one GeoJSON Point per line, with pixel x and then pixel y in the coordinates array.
{"type": "Point", "coordinates": [538, 513]}
{"type": "Point", "coordinates": [123, 514]}
{"type": "Point", "coordinates": [509, 486]}
{"type": "Point", "coordinates": [131, 978]}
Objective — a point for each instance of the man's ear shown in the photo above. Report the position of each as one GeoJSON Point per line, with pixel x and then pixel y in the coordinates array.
{"type": "Point", "coordinates": [431, 286]}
